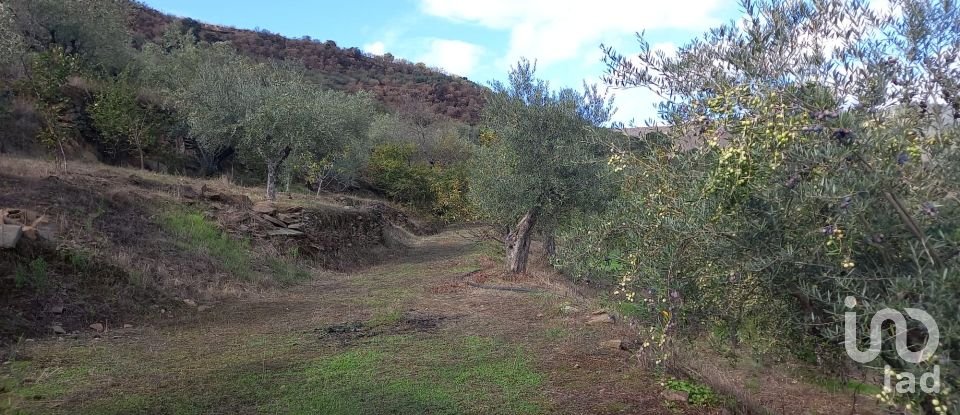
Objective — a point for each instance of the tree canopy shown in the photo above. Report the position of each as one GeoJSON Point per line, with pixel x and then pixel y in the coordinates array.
{"type": "Point", "coordinates": [542, 159]}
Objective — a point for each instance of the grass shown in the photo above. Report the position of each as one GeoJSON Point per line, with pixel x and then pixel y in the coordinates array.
{"type": "Point", "coordinates": [556, 333]}
{"type": "Point", "coordinates": [286, 273]}
{"type": "Point", "coordinates": [198, 233]}
{"type": "Point", "coordinates": [389, 374]}
{"type": "Point", "coordinates": [851, 386]}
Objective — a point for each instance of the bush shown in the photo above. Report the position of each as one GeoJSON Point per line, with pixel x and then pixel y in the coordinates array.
{"type": "Point", "coordinates": [392, 171]}
{"type": "Point", "coordinates": [435, 189]}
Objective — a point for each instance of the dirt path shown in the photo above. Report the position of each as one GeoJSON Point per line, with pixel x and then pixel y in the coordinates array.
{"type": "Point", "coordinates": [408, 336]}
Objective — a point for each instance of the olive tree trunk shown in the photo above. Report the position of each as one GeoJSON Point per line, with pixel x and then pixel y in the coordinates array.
{"type": "Point", "coordinates": [272, 167]}
{"type": "Point", "coordinates": [518, 242]}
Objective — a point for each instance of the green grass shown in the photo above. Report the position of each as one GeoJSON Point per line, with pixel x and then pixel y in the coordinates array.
{"type": "Point", "coordinates": [386, 318]}
{"type": "Point", "coordinates": [556, 333]}
{"type": "Point", "coordinates": [196, 232]}
{"type": "Point", "coordinates": [267, 374]}
{"type": "Point", "coordinates": [285, 272]}
{"type": "Point", "coordinates": [837, 385]}
{"type": "Point", "coordinates": [407, 375]}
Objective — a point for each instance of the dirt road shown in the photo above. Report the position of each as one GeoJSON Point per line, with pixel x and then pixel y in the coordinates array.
{"type": "Point", "coordinates": [407, 336]}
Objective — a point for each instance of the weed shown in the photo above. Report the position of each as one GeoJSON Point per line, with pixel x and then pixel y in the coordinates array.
{"type": "Point", "coordinates": [557, 333]}
{"type": "Point", "coordinates": [836, 385]}
{"type": "Point", "coordinates": [286, 272]}
{"type": "Point", "coordinates": [78, 259]}
{"type": "Point", "coordinates": [698, 394]}
{"type": "Point", "coordinates": [33, 275]}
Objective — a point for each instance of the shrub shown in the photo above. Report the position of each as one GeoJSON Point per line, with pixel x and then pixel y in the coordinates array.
{"type": "Point", "coordinates": [392, 171]}
{"type": "Point", "coordinates": [440, 190]}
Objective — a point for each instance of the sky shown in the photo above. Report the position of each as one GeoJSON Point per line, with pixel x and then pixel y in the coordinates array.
{"type": "Point", "coordinates": [481, 39]}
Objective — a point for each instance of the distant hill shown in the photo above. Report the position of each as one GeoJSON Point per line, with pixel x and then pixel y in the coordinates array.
{"type": "Point", "coordinates": [396, 82]}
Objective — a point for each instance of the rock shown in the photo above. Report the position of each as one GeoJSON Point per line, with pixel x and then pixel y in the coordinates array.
{"type": "Point", "coordinates": [612, 344]}
{"type": "Point", "coordinates": [675, 396]}
{"type": "Point", "coordinates": [287, 218]}
{"type": "Point", "coordinates": [128, 326]}
{"type": "Point", "coordinates": [97, 327]}
{"type": "Point", "coordinates": [10, 235]}
{"type": "Point", "coordinates": [569, 309]}
{"type": "Point", "coordinates": [274, 221]}
{"type": "Point", "coordinates": [241, 201]}
{"type": "Point", "coordinates": [265, 207]}
{"type": "Point", "coordinates": [602, 318]}
{"type": "Point", "coordinates": [56, 309]}
{"type": "Point", "coordinates": [189, 302]}
{"type": "Point", "coordinates": [204, 308]}
{"type": "Point", "coordinates": [30, 233]}
{"type": "Point", "coordinates": [58, 329]}
{"type": "Point", "coordinates": [284, 232]}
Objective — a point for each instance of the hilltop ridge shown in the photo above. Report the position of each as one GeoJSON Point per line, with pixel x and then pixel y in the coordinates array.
{"type": "Point", "coordinates": [398, 83]}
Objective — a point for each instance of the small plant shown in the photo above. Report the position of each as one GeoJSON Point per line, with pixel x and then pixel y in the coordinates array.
{"type": "Point", "coordinates": [78, 259]}
{"type": "Point", "coordinates": [33, 275]}
{"type": "Point", "coordinates": [697, 394]}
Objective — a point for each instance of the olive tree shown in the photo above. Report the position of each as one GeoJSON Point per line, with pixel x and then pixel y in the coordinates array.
{"type": "Point", "coordinates": [95, 29]}
{"type": "Point", "coordinates": [542, 162]}
{"type": "Point", "coordinates": [205, 84]}
{"type": "Point", "coordinates": [825, 165]}
{"type": "Point", "coordinates": [121, 120]}
{"type": "Point", "coordinates": [11, 42]}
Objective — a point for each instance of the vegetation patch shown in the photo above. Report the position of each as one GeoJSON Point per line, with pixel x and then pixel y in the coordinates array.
{"type": "Point", "coordinates": [199, 234]}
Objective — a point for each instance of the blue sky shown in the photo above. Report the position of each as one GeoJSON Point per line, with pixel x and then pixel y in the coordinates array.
{"type": "Point", "coordinates": [481, 39]}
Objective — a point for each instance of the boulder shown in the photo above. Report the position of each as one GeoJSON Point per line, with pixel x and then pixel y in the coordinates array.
{"type": "Point", "coordinates": [97, 327]}
{"type": "Point", "coordinates": [10, 235]}
{"type": "Point", "coordinates": [58, 329]}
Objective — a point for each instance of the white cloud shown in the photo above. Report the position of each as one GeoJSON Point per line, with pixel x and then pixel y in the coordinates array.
{"type": "Point", "coordinates": [376, 48]}
{"type": "Point", "coordinates": [455, 56]}
{"type": "Point", "coordinates": [553, 31]}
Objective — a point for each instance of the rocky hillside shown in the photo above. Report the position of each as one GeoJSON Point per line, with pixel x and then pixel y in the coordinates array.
{"type": "Point", "coordinates": [396, 82]}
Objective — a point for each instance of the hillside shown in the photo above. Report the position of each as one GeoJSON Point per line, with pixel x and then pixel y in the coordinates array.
{"type": "Point", "coordinates": [395, 82]}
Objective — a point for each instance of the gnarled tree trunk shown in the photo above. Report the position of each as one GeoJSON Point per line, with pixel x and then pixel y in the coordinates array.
{"type": "Point", "coordinates": [272, 167]}
{"type": "Point", "coordinates": [518, 242]}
